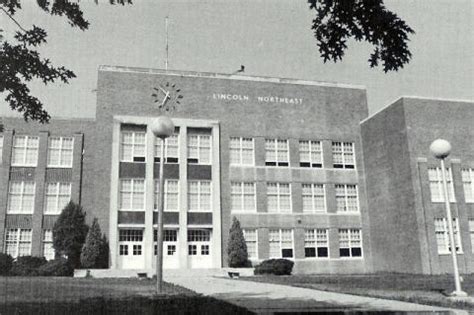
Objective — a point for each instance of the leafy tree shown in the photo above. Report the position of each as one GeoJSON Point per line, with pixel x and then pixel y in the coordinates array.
{"type": "Point", "coordinates": [338, 20]}
{"type": "Point", "coordinates": [20, 62]}
{"type": "Point", "coordinates": [237, 249]}
{"type": "Point", "coordinates": [69, 233]}
{"type": "Point", "coordinates": [103, 261]}
{"type": "Point", "coordinates": [91, 250]}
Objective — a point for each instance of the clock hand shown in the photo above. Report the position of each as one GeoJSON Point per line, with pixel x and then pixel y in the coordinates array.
{"type": "Point", "coordinates": [162, 89]}
{"type": "Point", "coordinates": [167, 97]}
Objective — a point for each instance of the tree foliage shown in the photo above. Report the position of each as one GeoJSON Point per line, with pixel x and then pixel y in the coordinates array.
{"type": "Point", "coordinates": [69, 233]}
{"type": "Point", "coordinates": [20, 62]}
{"type": "Point", "coordinates": [237, 248]}
{"type": "Point", "coordinates": [337, 21]}
{"type": "Point", "coordinates": [92, 246]}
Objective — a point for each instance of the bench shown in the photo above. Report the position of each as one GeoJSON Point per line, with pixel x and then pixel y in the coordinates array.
{"type": "Point", "coordinates": [234, 275]}
{"type": "Point", "coordinates": [142, 275]}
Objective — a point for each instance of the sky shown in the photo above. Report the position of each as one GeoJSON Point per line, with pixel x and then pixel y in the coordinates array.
{"type": "Point", "coordinates": [270, 37]}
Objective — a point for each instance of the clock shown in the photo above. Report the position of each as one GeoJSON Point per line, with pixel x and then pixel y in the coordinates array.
{"type": "Point", "coordinates": [167, 96]}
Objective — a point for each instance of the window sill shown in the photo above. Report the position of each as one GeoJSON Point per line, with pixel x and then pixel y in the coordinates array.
{"type": "Point", "coordinates": [24, 165]}
{"type": "Point", "coordinates": [58, 166]}
{"type": "Point", "coordinates": [449, 253]}
{"type": "Point", "coordinates": [132, 210]}
{"type": "Point", "coordinates": [28, 213]}
{"type": "Point", "coordinates": [351, 258]}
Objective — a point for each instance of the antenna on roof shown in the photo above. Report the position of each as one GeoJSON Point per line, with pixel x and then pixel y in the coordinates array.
{"type": "Point", "coordinates": [167, 46]}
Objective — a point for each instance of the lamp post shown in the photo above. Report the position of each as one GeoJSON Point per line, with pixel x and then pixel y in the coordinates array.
{"type": "Point", "coordinates": [162, 127]}
{"type": "Point", "coordinates": [440, 149]}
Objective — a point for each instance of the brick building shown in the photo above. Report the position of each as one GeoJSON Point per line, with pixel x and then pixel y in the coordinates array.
{"type": "Point", "coordinates": [283, 156]}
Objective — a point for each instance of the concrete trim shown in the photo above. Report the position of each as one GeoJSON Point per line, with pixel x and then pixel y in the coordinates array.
{"type": "Point", "coordinates": [113, 210]}
{"type": "Point", "coordinates": [179, 122]}
{"type": "Point", "coordinates": [149, 200]}
{"type": "Point", "coordinates": [216, 199]}
{"type": "Point", "coordinates": [213, 75]}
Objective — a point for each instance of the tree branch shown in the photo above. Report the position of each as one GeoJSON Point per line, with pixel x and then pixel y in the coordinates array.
{"type": "Point", "coordinates": [13, 19]}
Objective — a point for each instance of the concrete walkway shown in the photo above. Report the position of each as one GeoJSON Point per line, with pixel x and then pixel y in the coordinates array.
{"type": "Point", "coordinates": [270, 298]}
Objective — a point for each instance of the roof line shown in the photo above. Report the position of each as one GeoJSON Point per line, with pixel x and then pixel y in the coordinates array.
{"type": "Point", "coordinates": [380, 110]}
{"type": "Point", "coordinates": [226, 76]}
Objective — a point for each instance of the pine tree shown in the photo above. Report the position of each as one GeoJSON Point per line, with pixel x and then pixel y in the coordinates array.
{"type": "Point", "coordinates": [103, 260]}
{"type": "Point", "coordinates": [69, 233]}
{"type": "Point", "coordinates": [237, 249]}
{"type": "Point", "coordinates": [92, 247]}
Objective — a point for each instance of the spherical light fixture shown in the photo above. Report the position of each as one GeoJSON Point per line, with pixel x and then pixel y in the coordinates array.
{"type": "Point", "coordinates": [162, 127]}
{"type": "Point", "coordinates": [440, 148]}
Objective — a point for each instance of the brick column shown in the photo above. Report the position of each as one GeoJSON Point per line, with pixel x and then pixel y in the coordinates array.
{"type": "Point", "coordinates": [327, 153]}
{"type": "Point", "coordinates": [259, 151]}
{"type": "Point", "coordinates": [77, 168]}
{"type": "Point", "coordinates": [294, 151]}
{"type": "Point", "coordinates": [4, 178]}
{"type": "Point", "coordinates": [40, 176]}
{"type": "Point", "coordinates": [296, 197]}
{"type": "Point", "coordinates": [261, 191]}
{"type": "Point", "coordinates": [333, 235]}
{"type": "Point", "coordinates": [299, 242]}
{"type": "Point", "coordinates": [263, 246]}
{"type": "Point", "coordinates": [330, 197]}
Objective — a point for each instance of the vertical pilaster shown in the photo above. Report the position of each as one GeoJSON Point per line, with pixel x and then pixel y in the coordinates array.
{"type": "Point", "coordinates": [77, 167]}
{"type": "Point", "coordinates": [263, 245]}
{"type": "Point", "coordinates": [261, 190]}
{"type": "Point", "coordinates": [327, 153]}
{"type": "Point", "coordinates": [296, 197]}
{"type": "Point", "coordinates": [330, 197]}
{"type": "Point", "coordinates": [114, 181]}
{"type": "Point", "coordinates": [334, 242]}
{"type": "Point", "coordinates": [299, 242]}
{"type": "Point", "coordinates": [4, 179]}
{"type": "Point", "coordinates": [216, 199]}
{"type": "Point", "coordinates": [183, 199]}
{"type": "Point", "coordinates": [259, 151]}
{"type": "Point", "coordinates": [294, 151]}
{"type": "Point", "coordinates": [149, 200]}
{"type": "Point", "coordinates": [40, 176]}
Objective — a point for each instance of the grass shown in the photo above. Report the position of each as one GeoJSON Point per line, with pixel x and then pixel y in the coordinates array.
{"type": "Point", "coordinates": [422, 289]}
{"type": "Point", "coordinates": [45, 289]}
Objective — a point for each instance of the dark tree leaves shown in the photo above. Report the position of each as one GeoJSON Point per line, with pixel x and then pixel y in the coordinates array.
{"type": "Point", "coordinates": [337, 21]}
{"type": "Point", "coordinates": [20, 62]}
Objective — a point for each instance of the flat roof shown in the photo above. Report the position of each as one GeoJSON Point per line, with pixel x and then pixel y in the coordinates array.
{"type": "Point", "coordinates": [234, 76]}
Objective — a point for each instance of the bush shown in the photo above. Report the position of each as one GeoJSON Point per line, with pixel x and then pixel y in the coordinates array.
{"type": "Point", "coordinates": [274, 266]}
{"type": "Point", "coordinates": [27, 266]}
{"type": "Point", "coordinates": [69, 233]}
{"type": "Point", "coordinates": [56, 268]}
{"type": "Point", "coordinates": [6, 262]}
{"type": "Point", "coordinates": [237, 248]}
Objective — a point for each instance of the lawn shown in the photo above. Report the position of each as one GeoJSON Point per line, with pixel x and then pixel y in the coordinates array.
{"type": "Point", "coordinates": [423, 289]}
{"type": "Point", "coordinates": [50, 295]}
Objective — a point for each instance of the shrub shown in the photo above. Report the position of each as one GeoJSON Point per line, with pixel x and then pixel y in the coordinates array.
{"type": "Point", "coordinates": [274, 266]}
{"type": "Point", "coordinates": [92, 247]}
{"type": "Point", "coordinates": [103, 260]}
{"type": "Point", "coordinates": [60, 267]}
{"type": "Point", "coordinates": [69, 233]}
{"type": "Point", "coordinates": [6, 262]}
{"type": "Point", "coordinates": [237, 248]}
{"type": "Point", "coordinates": [27, 266]}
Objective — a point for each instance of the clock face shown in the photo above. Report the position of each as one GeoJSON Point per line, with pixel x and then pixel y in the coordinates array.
{"type": "Point", "coordinates": [167, 96]}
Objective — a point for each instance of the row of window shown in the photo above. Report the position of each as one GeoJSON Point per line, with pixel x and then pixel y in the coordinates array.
{"type": "Point", "coordinates": [442, 235]}
{"type": "Point", "coordinates": [436, 184]}
{"type": "Point", "coordinates": [25, 151]}
{"type": "Point", "coordinates": [243, 196]}
{"type": "Point", "coordinates": [281, 242]}
{"type": "Point", "coordinates": [21, 197]}
{"type": "Point", "coordinates": [18, 243]}
{"type": "Point", "coordinates": [242, 151]}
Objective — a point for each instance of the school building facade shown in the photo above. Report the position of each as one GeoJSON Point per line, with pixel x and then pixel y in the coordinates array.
{"type": "Point", "coordinates": [289, 158]}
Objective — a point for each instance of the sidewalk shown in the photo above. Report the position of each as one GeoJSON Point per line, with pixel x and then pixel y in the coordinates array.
{"type": "Point", "coordinates": [269, 298]}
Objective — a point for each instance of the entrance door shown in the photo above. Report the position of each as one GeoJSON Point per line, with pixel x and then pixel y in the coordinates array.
{"type": "Point", "coordinates": [131, 249]}
{"type": "Point", "coordinates": [199, 248]}
{"type": "Point", "coordinates": [170, 249]}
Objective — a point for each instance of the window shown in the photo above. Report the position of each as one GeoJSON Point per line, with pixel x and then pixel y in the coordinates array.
{"type": "Point", "coordinates": [48, 250]}
{"type": "Point", "coordinates": [130, 235]}
{"type": "Point", "coordinates": [243, 197]}
{"type": "Point", "coordinates": [58, 196]}
{"type": "Point", "coordinates": [442, 235]}
{"type": "Point", "coordinates": [132, 194]}
{"type": "Point", "coordinates": [171, 195]}
{"type": "Point", "coordinates": [137, 250]}
{"type": "Point", "coordinates": [347, 198]}
{"type": "Point", "coordinates": [467, 175]}
{"type": "Point", "coordinates": [241, 151]}
{"type": "Point", "coordinates": [281, 243]}
{"type": "Point", "coordinates": [471, 233]}
{"type": "Point", "coordinates": [311, 154]}
{"type": "Point", "coordinates": [21, 197]}
{"type": "Point", "coordinates": [436, 184]}
{"type": "Point", "coordinates": [278, 197]}
{"type": "Point", "coordinates": [133, 146]}
{"type": "Point", "coordinates": [250, 236]}
{"type": "Point", "coordinates": [203, 235]}
{"type": "Point", "coordinates": [1, 148]}
{"type": "Point", "coordinates": [343, 155]}
{"type": "Point", "coordinates": [199, 149]}
{"type": "Point", "coordinates": [25, 151]}
{"type": "Point", "coordinates": [171, 149]}
{"type": "Point", "coordinates": [314, 199]}
{"type": "Point", "coordinates": [192, 250]}
{"type": "Point", "coordinates": [276, 152]}
{"type": "Point", "coordinates": [169, 236]}
{"type": "Point", "coordinates": [60, 151]}
{"type": "Point", "coordinates": [316, 243]}
{"type": "Point", "coordinates": [199, 196]}
{"type": "Point", "coordinates": [350, 243]}
{"type": "Point", "coordinates": [18, 242]}
{"type": "Point", "coordinates": [129, 242]}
